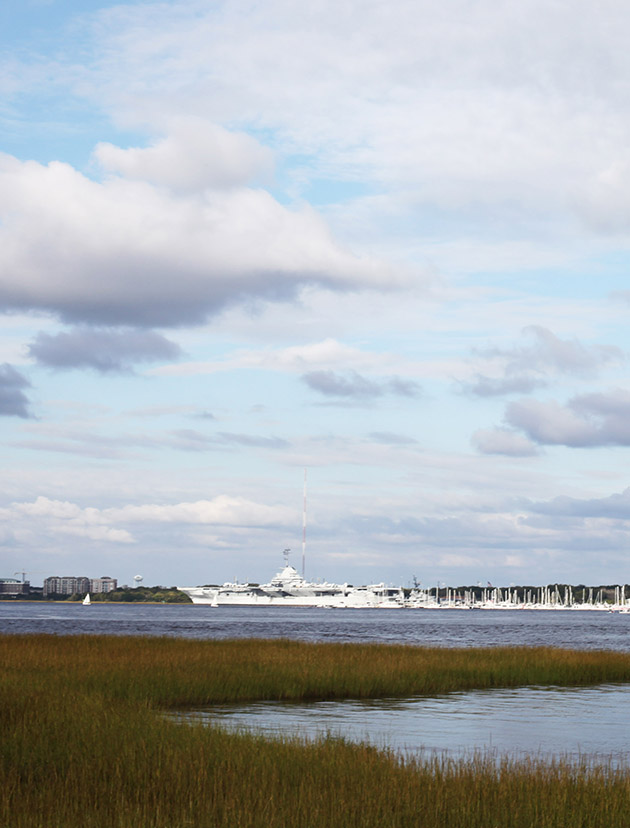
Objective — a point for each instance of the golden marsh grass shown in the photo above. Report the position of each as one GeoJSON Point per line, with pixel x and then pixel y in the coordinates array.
{"type": "Point", "coordinates": [83, 742]}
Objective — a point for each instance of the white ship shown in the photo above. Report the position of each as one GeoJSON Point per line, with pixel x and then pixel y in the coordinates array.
{"type": "Point", "coordinates": [289, 589]}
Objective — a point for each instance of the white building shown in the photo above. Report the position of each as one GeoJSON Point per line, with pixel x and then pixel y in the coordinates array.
{"type": "Point", "coordinates": [103, 584]}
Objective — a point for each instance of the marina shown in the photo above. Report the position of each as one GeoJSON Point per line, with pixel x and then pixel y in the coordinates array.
{"type": "Point", "coordinates": [290, 589]}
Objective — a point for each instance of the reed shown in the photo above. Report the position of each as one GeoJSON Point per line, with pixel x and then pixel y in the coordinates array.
{"type": "Point", "coordinates": [82, 741]}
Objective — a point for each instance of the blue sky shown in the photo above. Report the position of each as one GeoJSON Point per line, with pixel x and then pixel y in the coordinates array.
{"type": "Point", "coordinates": [387, 243]}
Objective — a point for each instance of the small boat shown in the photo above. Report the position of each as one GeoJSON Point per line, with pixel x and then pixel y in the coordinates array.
{"type": "Point", "coordinates": [86, 600]}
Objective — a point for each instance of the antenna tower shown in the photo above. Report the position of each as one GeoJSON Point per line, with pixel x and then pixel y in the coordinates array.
{"type": "Point", "coordinates": [304, 530]}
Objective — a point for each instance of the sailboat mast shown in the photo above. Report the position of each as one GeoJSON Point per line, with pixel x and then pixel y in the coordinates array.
{"type": "Point", "coordinates": [304, 530]}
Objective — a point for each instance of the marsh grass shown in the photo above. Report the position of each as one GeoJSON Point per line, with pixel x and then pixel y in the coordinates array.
{"type": "Point", "coordinates": [83, 744]}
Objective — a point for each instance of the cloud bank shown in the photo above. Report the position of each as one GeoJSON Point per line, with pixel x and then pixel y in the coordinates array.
{"type": "Point", "coordinates": [503, 108]}
{"type": "Point", "coordinates": [130, 253]}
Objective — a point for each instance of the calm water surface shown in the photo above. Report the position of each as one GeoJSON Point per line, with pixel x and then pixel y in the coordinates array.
{"type": "Point", "coordinates": [443, 628]}
{"type": "Point", "coordinates": [543, 722]}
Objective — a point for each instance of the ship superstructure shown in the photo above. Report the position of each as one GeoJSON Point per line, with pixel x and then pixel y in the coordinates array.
{"type": "Point", "coordinates": [289, 589]}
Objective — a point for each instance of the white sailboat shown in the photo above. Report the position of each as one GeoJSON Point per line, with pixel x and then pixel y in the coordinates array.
{"type": "Point", "coordinates": [86, 600]}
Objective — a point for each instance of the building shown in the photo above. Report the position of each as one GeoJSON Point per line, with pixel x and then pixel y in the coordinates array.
{"type": "Point", "coordinates": [9, 586]}
{"type": "Point", "coordinates": [103, 584]}
{"type": "Point", "coordinates": [71, 585]}
{"type": "Point", "coordinates": [66, 585]}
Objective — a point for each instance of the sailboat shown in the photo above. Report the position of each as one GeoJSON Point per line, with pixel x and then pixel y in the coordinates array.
{"type": "Point", "coordinates": [86, 600]}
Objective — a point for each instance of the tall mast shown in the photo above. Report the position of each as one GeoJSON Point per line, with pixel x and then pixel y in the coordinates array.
{"type": "Point", "coordinates": [304, 530]}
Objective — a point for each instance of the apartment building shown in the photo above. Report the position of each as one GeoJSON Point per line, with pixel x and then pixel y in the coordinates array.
{"type": "Point", "coordinates": [66, 585]}
{"type": "Point", "coordinates": [103, 584]}
{"type": "Point", "coordinates": [71, 584]}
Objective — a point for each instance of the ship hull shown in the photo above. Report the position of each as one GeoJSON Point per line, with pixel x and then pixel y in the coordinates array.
{"type": "Point", "coordinates": [289, 589]}
{"type": "Point", "coordinates": [353, 598]}
{"type": "Point", "coordinates": [216, 598]}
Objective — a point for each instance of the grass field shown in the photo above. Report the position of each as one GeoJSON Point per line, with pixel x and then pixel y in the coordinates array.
{"type": "Point", "coordinates": [83, 742]}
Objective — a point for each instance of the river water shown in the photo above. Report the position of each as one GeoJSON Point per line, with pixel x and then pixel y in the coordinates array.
{"type": "Point", "coordinates": [579, 629]}
{"type": "Point", "coordinates": [545, 722]}
{"type": "Point", "coordinates": [576, 724]}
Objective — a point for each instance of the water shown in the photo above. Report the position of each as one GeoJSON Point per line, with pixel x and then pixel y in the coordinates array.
{"type": "Point", "coordinates": [534, 721]}
{"type": "Point", "coordinates": [584, 630]}
{"type": "Point", "coordinates": [542, 722]}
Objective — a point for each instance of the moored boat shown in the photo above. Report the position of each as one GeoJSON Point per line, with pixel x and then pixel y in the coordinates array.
{"type": "Point", "coordinates": [290, 589]}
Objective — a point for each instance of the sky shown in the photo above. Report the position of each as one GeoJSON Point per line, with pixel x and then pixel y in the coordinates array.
{"type": "Point", "coordinates": [382, 245]}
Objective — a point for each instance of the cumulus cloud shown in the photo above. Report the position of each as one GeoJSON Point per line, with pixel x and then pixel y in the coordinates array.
{"type": "Point", "coordinates": [13, 400]}
{"type": "Point", "coordinates": [117, 525]}
{"type": "Point", "coordinates": [519, 106]}
{"type": "Point", "coordinates": [355, 386]}
{"type": "Point", "coordinates": [69, 519]}
{"type": "Point", "coordinates": [503, 441]}
{"type": "Point", "coordinates": [195, 155]}
{"type": "Point", "coordinates": [525, 368]}
{"type": "Point", "coordinates": [520, 110]}
{"type": "Point", "coordinates": [103, 350]}
{"type": "Point", "coordinates": [586, 421]}
{"type": "Point", "coordinates": [549, 353]}
{"type": "Point", "coordinates": [221, 510]}
{"type": "Point", "coordinates": [124, 252]}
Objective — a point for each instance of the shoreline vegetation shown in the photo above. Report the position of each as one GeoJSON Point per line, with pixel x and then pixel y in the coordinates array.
{"type": "Point", "coordinates": [83, 741]}
{"type": "Point", "coordinates": [120, 595]}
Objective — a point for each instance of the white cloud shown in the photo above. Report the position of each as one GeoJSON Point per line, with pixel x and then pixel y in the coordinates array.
{"type": "Point", "coordinates": [459, 142]}
{"type": "Point", "coordinates": [96, 533]}
{"type": "Point", "coordinates": [194, 156]}
{"type": "Point", "coordinates": [125, 252]}
{"type": "Point", "coordinates": [588, 420]}
{"type": "Point", "coordinates": [511, 107]}
{"type": "Point", "coordinates": [524, 368]}
{"type": "Point", "coordinates": [222, 510]}
{"type": "Point", "coordinates": [62, 517]}
{"type": "Point", "coordinates": [328, 353]}
{"type": "Point", "coordinates": [605, 202]}
{"type": "Point", "coordinates": [549, 354]}
{"type": "Point", "coordinates": [51, 519]}
{"type": "Point", "coordinates": [503, 441]}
